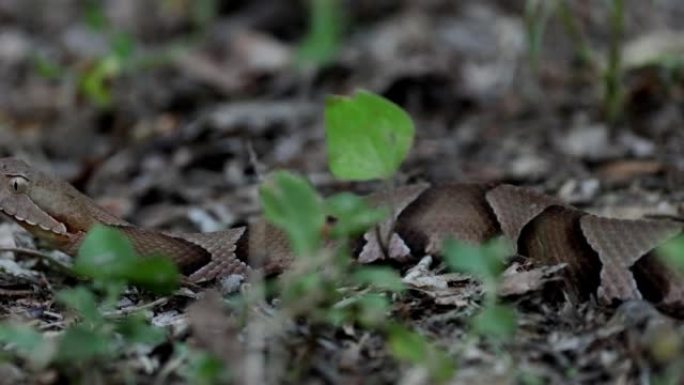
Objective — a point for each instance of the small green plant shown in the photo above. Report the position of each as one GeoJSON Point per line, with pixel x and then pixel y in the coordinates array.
{"type": "Point", "coordinates": [107, 258]}
{"type": "Point", "coordinates": [410, 346]}
{"type": "Point", "coordinates": [537, 13]}
{"type": "Point", "coordinates": [495, 321]}
{"type": "Point", "coordinates": [614, 93]}
{"type": "Point", "coordinates": [535, 17]}
{"type": "Point", "coordinates": [291, 204]}
{"type": "Point", "coordinates": [202, 368]}
{"type": "Point", "coordinates": [96, 77]}
{"type": "Point", "coordinates": [368, 137]}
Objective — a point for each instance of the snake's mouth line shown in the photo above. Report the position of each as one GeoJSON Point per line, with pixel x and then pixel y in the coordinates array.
{"type": "Point", "coordinates": [59, 230]}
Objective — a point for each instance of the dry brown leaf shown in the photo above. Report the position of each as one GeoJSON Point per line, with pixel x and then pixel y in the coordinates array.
{"type": "Point", "coordinates": [514, 282]}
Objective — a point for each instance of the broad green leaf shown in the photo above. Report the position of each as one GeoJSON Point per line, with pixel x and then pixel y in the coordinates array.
{"type": "Point", "coordinates": [291, 204]}
{"type": "Point", "coordinates": [352, 214]}
{"type": "Point", "coordinates": [672, 252]}
{"type": "Point", "coordinates": [381, 277]}
{"type": "Point", "coordinates": [82, 301]}
{"type": "Point", "coordinates": [496, 321]}
{"type": "Point", "coordinates": [79, 344]}
{"type": "Point", "coordinates": [325, 28]}
{"type": "Point", "coordinates": [367, 136]}
{"type": "Point", "coordinates": [157, 274]}
{"type": "Point", "coordinates": [105, 254]}
{"type": "Point", "coordinates": [484, 261]}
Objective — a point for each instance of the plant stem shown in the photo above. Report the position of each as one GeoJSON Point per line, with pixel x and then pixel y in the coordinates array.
{"type": "Point", "coordinates": [573, 29]}
{"type": "Point", "coordinates": [613, 86]}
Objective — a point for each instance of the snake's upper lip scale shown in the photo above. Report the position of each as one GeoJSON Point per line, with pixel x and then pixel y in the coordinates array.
{"type": "Point", "coordinates": [59, 230]}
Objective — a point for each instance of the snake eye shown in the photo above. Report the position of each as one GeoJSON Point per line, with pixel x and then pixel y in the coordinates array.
{"type": "Point", "coordinates": [18, 184]}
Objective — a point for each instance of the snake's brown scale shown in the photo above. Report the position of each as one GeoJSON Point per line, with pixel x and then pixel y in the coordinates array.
{"type": "Point", "coordinates": [609, 258]}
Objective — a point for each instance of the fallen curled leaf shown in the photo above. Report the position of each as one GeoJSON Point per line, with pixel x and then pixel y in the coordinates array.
{"type": "Point", "coordinates": [452, 289]}
{"type": "Point", "coordinates": [515, 283]}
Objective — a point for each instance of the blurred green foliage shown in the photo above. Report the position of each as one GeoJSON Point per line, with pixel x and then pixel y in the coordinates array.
{"type": "Point", "coordinates": [322, 42]}
{"type": "Point", "coordinates": [108, 259]}
{"type": "Point", "coordinates": [536, 17]}
{"type": "Point", "coordinates": [486, 262]}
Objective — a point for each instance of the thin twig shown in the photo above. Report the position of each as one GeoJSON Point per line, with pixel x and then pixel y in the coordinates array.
{"type": "Point", "coordinates": [45, 257]}
{"type": "Point", "coordinates": [134, 309]}
{"type": "Point", "coordinates": [259, 168]}
{"type": "Point", "coordinates": [15, 293]}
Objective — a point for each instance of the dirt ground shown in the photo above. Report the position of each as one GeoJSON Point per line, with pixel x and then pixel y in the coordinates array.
{"type": "Point", "coordinates": [169, 113]}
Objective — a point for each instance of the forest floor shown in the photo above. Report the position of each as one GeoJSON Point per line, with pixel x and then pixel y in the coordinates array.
{"type": "Point", "coordinates": [169, 113]}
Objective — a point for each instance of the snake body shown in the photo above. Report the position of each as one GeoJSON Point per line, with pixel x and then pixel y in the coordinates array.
{"type": "Point", "coordinates": [606, 257]}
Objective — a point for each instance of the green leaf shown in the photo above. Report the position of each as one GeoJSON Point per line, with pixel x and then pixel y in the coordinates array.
{"type": "Point", "coordinates": [24, 338]}
{"type": "Point", "coordinates": [83, 301]}
{"type": "Point", "coordinates": [291, 204]}
{"type": "Point", "coordinates": [325, 29]}
{"type": "Point", "coordinates": [28, 342]}
{"type": "Point", "coordinates": [47, 68]}
{"type": "Point", "coordinates": [367, 136]}
{"type": "Point", "coordinates": [205, 369]}
{"type": "Point", "coordinates": [94, 81]}
{"type": "Point", "coordinates": [672, 252]}
{"type": "Point", "coordinates": [157, 274]}
{"type": "Point", "coordinates": [135, 329]}
{"type": "Point", "coordinates": [79, 344]}
{"type": "Point", "coordinates": [369, 309]}
{"type": "Point", "coordinates": [381, 277]}
{"type": "Point", "coordinates": [407, 345]}
{"type": "Point", "coordinates": [373, 308]}
{"type": "Point", "coordinates": [106, 253]}
{"type": "Point", "coordinates": [484, 261]}
{"type": "Point", "coordinates": [94, 15]}
{"type": "Point", "coordinates": [410, 346]}
{"type": "Point", "coordinates": [122, 45]}
{"type": "Point", "coordinates": [352, 214]}
{"type": "Point", "coordinates": [496, 321]}
{"type": "Point", "coordinates": [293, 290]}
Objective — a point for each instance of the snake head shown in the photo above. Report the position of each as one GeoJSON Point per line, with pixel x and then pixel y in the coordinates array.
{"type": "Point", "coordinates": [24, 199]}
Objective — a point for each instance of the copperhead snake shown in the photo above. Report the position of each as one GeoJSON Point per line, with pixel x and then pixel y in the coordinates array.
{"type": "Point", "coordinates": [609, 258]}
